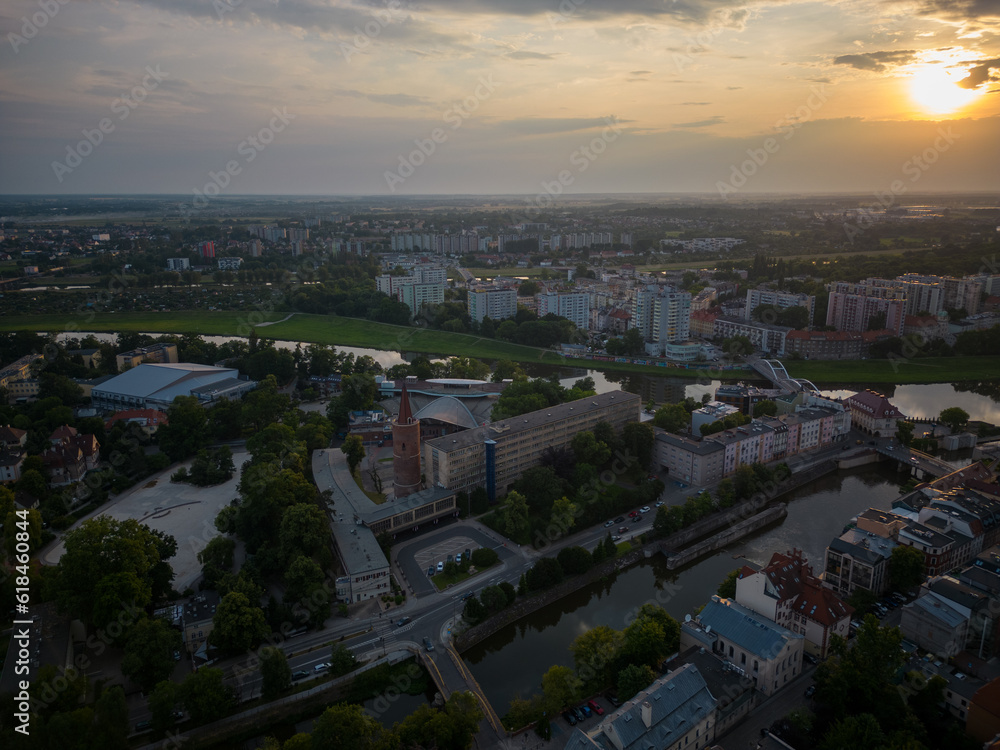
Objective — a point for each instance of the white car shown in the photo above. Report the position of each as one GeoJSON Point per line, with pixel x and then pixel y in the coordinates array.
{"type": "Point", "coordinates": [322, 667]}
{"type": "Point", "coordinates": [644, 509]}
{"type": "Point", "coordinates": [440, 567]}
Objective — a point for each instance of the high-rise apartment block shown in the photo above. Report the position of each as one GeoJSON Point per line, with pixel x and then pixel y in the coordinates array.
{"type": "Point", "coordinates": [496, 304]}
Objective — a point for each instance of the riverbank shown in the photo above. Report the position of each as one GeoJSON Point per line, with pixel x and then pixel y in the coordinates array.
{"type": "Point", "coordinates": [338, 331]}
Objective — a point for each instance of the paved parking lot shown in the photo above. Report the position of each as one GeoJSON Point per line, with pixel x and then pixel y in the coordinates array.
{"type": "Point", "coordinates": [439, 551]}
{"type": "Point", "coordinates": [185, 512]}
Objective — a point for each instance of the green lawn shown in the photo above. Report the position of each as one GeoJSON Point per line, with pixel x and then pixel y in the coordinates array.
{"type": "Point", "coordinates": [443, 580]}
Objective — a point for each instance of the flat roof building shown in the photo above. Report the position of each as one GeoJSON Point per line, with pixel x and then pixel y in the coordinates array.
{"type": "Point", "coordinates": [155, 386]}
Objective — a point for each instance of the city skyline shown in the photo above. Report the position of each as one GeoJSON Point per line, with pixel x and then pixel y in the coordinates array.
{"type": "Point", "coordinates": [571, 97]}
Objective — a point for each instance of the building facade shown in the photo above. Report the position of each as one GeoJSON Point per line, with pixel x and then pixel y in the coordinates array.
{"type": "Point", "coordinates": [496, 304]}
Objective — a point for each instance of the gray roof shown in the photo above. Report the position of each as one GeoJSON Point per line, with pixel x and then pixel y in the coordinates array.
{"type": "Point", "coordinates": [679, 701]}
{"type": "Point", "coordinates": [391, 507]}
{"type": "Point", "coordinates": [701, 447]}
{"type": "Point", "coordinates": [744, 627]}
{"type": "Point", "coordinates": [359, 551]}
{"type": "Point", "coordinates": [165, 381]}
{"type": "Point", "coordinates": [448, 409]}
{"type": "Point", "coordinates": [507, 428]}
{"type": "Point", "coordinates": [937, 607]}
{"type": "Point", "coordinates": [864, 545]}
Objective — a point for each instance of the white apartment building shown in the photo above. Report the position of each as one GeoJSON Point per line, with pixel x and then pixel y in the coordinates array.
{"type": "Point", "coordinates": [496, 304]}
{"type": "Point", "coordinates": [572, 306]}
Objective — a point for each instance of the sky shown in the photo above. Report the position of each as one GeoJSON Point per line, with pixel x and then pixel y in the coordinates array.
{"type": "Point", "coordinates": [525, 97]}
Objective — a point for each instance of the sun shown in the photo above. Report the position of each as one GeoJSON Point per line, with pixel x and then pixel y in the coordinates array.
{"type": "Point", "coordinates": [936, 91]}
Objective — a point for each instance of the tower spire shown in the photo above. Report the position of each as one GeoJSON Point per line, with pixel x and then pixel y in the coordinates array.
{"type": "Point", "coordinates": [405, 412]}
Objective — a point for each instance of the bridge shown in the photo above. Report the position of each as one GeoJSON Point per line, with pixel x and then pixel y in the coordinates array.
{"type": "Point", "coordinates": [451, 675]}
{"type": "Point", "coordinates": [774, 371]}
{"type": "Point", "coordinates": [919, 464]}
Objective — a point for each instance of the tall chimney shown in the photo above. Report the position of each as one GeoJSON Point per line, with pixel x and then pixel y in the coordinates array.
{"type": "Point", "coordinates": [647, 714]}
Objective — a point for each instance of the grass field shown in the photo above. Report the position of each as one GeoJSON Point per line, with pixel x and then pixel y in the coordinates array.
{"type": "Point", "coordinates": [323, 329]}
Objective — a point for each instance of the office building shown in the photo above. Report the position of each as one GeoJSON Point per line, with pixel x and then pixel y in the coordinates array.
{"type": "Point", "coordinates": [496, 455]}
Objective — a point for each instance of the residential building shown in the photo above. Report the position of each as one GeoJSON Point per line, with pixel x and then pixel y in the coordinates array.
{"type": "Point", "coordinates": [745, 397]}
{"type": "Point", "coordinates": [91, 358]}
{"type": "Point", "coordinates": [11, 464]}
{"type": "Point", "coordinates": [713, 411]}
{"type": "Point", "coordinates": [858, 559]}
{"type": "Point", "coordinates": [874, 413]}
{"type": "Point", "coordinates": [786, 592]}
{"type": "Point", "coordinates": [148, 420]}
{"type": "Point", "coordinates": [575, 307]}
{"type": "Point", "coordinates": [833, 344]}
{"type": "Point", "coordinates": [764, 337]}
{"type": "Point", "coordinates": [754, 646]}
{"type": "Point", "coordinates": [231, 263]}
{"type": "Point", "coordinates": [70, 456]}
{"type": "Point", "coordinates": [676, 712]}
{"type": "Point", "coordinates": [178, 264]}
{"type": "Point", "coordinates": [983, 722]}
{"type": "Point", "coordinates": [19, 369]}
{"type": "Point", "coordinates": [950, 616]}
{"type": "Point", "coordinates": [781, 300]}
{"type": "Point", "coordinates": [206, 249]}
{"type": "Point", "coordinates": [695, 462]}
{"type": "Point", "coordinates": [154, 353]}
{"type": "Point", "coordinates": [496, 455]}
{"type": "Point", "coordinates": [859, 307]}
{"type": "Point", "coordinates": [663, 316]}
{"type": "Point", "coordinates": [155, 386]}
{"type": "Point", "coordinates": [495, 303]}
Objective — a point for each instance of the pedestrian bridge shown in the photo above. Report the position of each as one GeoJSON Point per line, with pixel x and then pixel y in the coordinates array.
{"type": "Point", "coordinates": [774, 371]}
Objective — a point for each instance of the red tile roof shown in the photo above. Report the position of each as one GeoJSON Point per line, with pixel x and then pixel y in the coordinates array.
{"type": "Point", "coordinates": [873, 403]}
{"type": "Point", "coordinates": [793, 579]}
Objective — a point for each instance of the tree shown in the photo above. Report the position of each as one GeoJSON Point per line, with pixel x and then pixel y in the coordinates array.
{"type": "Point", "coordinates": [638, 439]}
{"type": "Point", "coordinates": [574, 560]}
{"type": "Point", "coordinates": [594, 652]}
{"type": "Point", "coordinates": [163, 700]}
{"type": "Point", "coordinates": [474, 611]}
{"type": "Point", "coordinates": [205, 695]}
{"type": "Point", "coordinates": [484, 557]}
{"type": "Point", "coordinates": [275, 673]}
{"type": "Point", "coordinates": [515, 523]}
{"type": "Point", "coordinates": [186, 431]}
{"type": "Point", "coordinates": [544, 573]}
{"type": "Point", "coordinates": [669, 520]}
{"type": "Point", "coordinates": [861, 730]}
{"type": "Point", "coordinates": [149, 652]}
{"type": "Point", "coordinates": [564, 513]}
{"type": "Point", "coordinates": [955, 417]}
{"type": "Point", "coordinates": [634, 678]}
{"type": "Point", "coordinates": [726, 493]}
{"type": "Point", "coordinates": [216, 559]}
{"type": "Point", "coordinates": [342, 660]}
{"type": "Point", "coordinates": [904, 432]}
{"type": "Point", "coordinates": [862, 600]}
{"type": "Point", "coordinates": [906, 567]}
{"type": "Point", "coordinates": [346, 726]}
{"type": "Point", "coordinates": [238, 625]}
{"type": "Point", "coordinates": [354, 449]}
{"type": "Point", "coordinates": [111, 727]}
{"type": "Point", "coordinates": [765, 408]}
{"type": "Point", "coordinates": [727, 589]}
{"type": "Point", "coordinates": [301, 578]}
{"type": "Point", "coordinates": [589, 449]}
{"type": "Point", "coordinates": [110, 564]}
{"type": "Point", "coordinates": [450, 728]}
{"type": "Point", "coordinates": [672, 418]}
{"type": "Point", "coordinates": [560, 686]}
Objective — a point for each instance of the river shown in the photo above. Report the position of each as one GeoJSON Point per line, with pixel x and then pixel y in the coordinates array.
{"type": "Point", "coordinates": [922, 401]}
{"type": "Point", "coordinates": [817, 513]}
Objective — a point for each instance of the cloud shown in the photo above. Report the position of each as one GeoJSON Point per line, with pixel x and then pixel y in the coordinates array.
{"type": "Point", "coordinates": [523, 54]}
{"type": "Point", "coordinates": [550, 125]}
{"type": "Point", "coordinates": [714, 120]}
{"type": "Point", "coordinates": [876, 61]}
{"type": "Point", "coordinates": [983, 71]}
{"type": "Point", "coordinates": [395, 100]}
{"type": "Point", "coordinates": [640, 72]}
{"type": "Point", "coordinates": [694, 104]}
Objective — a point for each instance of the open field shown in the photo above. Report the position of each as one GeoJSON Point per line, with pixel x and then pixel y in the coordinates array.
{"type": "Point", "coordinates": [325, 329]}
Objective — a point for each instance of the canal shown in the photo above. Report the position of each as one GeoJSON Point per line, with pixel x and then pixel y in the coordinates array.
{"type": "Point", "coordinates": [817, 513]}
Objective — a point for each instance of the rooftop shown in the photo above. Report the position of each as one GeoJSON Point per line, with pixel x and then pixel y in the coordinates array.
{"type": "Point", "coordinates": [744, 627]}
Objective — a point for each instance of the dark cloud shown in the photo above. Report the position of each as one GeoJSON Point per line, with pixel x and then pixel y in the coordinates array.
{"type": "Point", "coordinates": [960, 10]}
{"type": "Point", "coordinates": [640, 72]}
{"type": "Point", "coordinates": [876, 61]}
{"type": "Point", "coordinates": [523, 54]}
{"type": "Point", "coordinates": [550, 125]}
{"type": "Point", "coordinates": [694, 104]}
{"type": "Point", "coordinates": [714, 120]}
{"type": "Point", "coordinates": [983, 71]}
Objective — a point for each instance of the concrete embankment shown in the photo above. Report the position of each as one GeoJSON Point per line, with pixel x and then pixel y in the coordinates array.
{"type": "Point", "coordinates": [724, 524]}
{"type": "Point", "coordinates": [728, 536]}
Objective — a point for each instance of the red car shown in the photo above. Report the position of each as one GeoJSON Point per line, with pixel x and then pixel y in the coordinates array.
{"type": "Point", "coordinates": [633, 514]}
{"type": "Point", "coordinates": [595, 708]}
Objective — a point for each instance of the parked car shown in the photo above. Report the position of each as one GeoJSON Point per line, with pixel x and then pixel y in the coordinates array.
{"type": "Point", "coordinates": [402, 621]}
{"type": "Point", "coordinates": [428, 646]}
{"type": "Point", "coordinates": [810, 691]}
{"type": "Point", "coordinates": [658, 503]}
{"type": "Point", "coordinates": [585, 710]}
{"type": "Point", "coordinates": [620, 519]}
{"type": "Point", "coordinates": [300, 675]}
{"type": "Point", "coordinates": [623, 529]}
{"type": "Point", "coordinates": [810, 658]}
{"type": "Point", "coordinates": [143, 726]}
{"type": "Point", "coordinates": [468, 595]}
{"type": "Point", "coordinates": [468, 554]}
{"type": "Point", "coordinates": [458, 558]}
{"type": "Point", "coordinates": [448, 558]}
{"type": "Point", "coordinates": [570, 718]}
{"type": "Point", "coordinates": [616, 538]}
{"type": "Point", "coordinates": [321, 667]}
{"type": "Point", "coordinates": [596, 709]}
{"type": "Point", "coordinates": [608, 523]}
{"type": "Point", "coordinates": [440, 567]}
{"type": "Point", "coordinates": [613, 699]}
{"type": "Point", "coordinates": [633, 513]}
{"type": "Point", "coordinates": [644, 509]}
{"type": "Point", "coordinates": [578, 714]}
{"type": "Point", "coordinates": [430, 572]}
{"type": "Point", "coordinates": [177, 655]}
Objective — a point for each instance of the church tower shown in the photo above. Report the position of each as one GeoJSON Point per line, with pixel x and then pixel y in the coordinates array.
{"type": "Point", "coordinates": [405, 449]}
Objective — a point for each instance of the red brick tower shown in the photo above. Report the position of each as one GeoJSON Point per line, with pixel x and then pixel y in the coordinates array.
{"type": "Point", "coordinates": [405, 449]}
